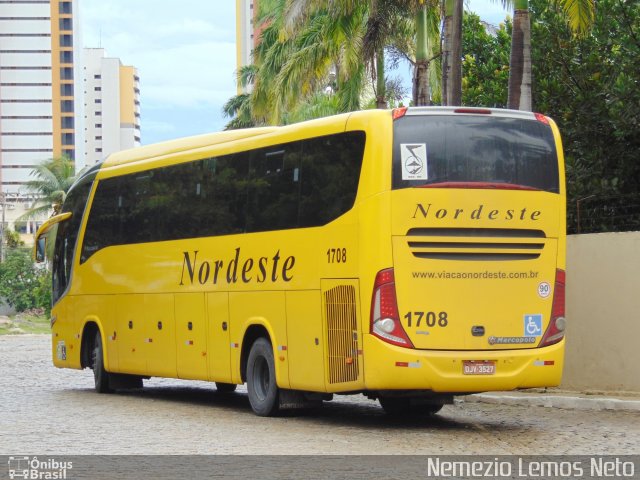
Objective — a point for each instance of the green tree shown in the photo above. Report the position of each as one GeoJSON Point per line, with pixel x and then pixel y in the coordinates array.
{"type": "Point", "coordinates": [383, 22]}
{"type": "Point", "coordinates": [313, 57]}
{"type": "Point", "coordinates": [590, 85]}
{"type": "Point", "coordinates": [21, 283]}
{"type": "Point", "coordinates": [291, 67]}
{"type": "Point", "coordinates": [485, 64]}
{"type": "Point", "coordinates": [12, 239]}
{"type": "Point", "coordinates": [579, 15]}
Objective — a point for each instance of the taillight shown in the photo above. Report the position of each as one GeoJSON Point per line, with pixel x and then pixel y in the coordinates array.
{"type": "Point", "coordinates": [397, 113]}
{"type": "Point", "coordinates": [557, 325]}
{"type": "Point", "coordinates": [541, 118]}
{"type": "Point", "coordinates": [385, 321]}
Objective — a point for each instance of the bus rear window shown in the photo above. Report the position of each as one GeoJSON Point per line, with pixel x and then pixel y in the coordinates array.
{"type": "Point", "coordinates": [468, 150]}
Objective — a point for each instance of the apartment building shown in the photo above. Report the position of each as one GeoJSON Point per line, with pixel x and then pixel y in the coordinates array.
{"type": "Point", "coordinates": [247, 35]}
{"type": "Point", "coordinates": [41, 107]}
{"type": "Point", "coordinates": [111, 105]}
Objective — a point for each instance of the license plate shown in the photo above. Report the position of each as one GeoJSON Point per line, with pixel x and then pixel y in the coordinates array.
{"type": "Point", "coordinates": [479, 367]}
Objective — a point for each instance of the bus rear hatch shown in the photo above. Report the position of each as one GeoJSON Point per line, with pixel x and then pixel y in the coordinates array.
{"type": "Point", "coordinates": [476, 215]}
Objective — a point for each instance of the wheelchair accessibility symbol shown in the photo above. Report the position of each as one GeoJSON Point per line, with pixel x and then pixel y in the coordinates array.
{"type": "Point", "coordinates": [533, 325]}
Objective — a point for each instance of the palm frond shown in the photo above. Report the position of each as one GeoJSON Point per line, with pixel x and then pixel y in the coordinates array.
{"type": "Point", "coordinates": [580, 15]}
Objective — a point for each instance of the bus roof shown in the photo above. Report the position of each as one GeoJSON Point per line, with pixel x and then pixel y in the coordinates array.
{"type": "Point", "coordinates": [179, 145]}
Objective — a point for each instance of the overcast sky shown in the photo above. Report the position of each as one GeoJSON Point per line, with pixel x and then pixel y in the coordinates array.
{"type": "Point", "coordinates": [185, 55]}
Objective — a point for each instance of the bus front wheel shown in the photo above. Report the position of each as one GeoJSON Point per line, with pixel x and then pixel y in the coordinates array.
{"type": "Point", "coordinates": [100, 375]}
{"type": "Point", "coordinates": [261, 379]}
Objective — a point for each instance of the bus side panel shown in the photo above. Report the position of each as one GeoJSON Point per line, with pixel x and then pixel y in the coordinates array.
{"type": "Point", "coordinates": [260, 308]}
{"type": "Point", "coordinates": [65, 346]}
{"type": "Point", "coordinates": [218, 343]}
{"type": "Point", "coordinates": [191, 346]}
{"type": "Point", "coordinates": [130, 334]}
{"type": "Point", "coordinates": [159, 335]}
{"type": "Point", "coordinates": [306, 341]}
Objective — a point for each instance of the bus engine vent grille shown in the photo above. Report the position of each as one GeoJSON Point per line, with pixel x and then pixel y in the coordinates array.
{"type": "Point", "coordinates": [340, 304]}
{"type": "Point", "coordinates": [476, 243]}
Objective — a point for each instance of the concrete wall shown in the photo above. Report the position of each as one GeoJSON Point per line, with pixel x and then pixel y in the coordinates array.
{"type": "Point", "coordinates": [603, 312]}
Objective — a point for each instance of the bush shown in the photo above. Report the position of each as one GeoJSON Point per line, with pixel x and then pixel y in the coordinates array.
{"type": "Point", "coordinates": [42, 292]}
{"type": "Point", "coordinates": [23, 285]}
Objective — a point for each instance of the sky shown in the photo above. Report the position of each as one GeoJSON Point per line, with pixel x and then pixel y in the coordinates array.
{"type": "Point", "coordinates": [186, 56]}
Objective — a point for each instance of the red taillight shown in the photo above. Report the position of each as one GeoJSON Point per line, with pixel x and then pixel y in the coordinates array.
{"type": "Point", "coordinates": [555, 330]}
{"type": "Point", "coordinates": [385, 321]}
{"type": "Point", "coordinates": [397, 113]}
{"type": "Point", "coordinates": [541, 118]}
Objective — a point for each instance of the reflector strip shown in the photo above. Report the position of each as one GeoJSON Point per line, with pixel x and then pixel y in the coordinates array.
{"type": "Point", "coordinates": [148, 340]}
{"type": "Point", "coordinates": [543, 363]}
{"type": "Point", "coordinates": [189, 342]}
{"type": "Point", "coordinates": [282, 348]}
{"type": "Point", "coordinates": [234, 345]}
{"type": "Point", "coordinates": [408, 364]}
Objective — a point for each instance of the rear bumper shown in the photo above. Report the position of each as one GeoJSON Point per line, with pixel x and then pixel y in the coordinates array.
{"type": "Point", "coordinates": [387, 367]}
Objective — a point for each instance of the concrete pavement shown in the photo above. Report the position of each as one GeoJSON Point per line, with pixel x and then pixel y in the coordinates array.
{"type": "Point", "coordinates": [556, 398]}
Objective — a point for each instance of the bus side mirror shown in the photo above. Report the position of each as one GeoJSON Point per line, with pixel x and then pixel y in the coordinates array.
{"type": "Point", "coordinates": [41, 248]}
{"type": "Point", "coordinates": [42, 235]}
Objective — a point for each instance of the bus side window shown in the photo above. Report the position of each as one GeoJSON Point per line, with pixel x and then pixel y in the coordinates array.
{"type": "Point", "coordinates": [272, 190]}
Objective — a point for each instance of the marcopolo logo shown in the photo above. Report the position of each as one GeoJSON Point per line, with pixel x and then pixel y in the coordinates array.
{"type": "Point", "coordinates": [37, 469]}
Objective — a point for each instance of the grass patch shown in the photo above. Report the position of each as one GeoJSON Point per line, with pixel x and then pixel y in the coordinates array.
{"type": "Point", "coordinates": [25, 323]}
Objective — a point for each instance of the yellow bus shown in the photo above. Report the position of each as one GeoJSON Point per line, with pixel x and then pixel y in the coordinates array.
{"type": "Point", "coordinates": [409, 255]}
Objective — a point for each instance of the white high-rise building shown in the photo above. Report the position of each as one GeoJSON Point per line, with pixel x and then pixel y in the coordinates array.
{"type": "Point", "coordinates": [40, 89]}
{"type": "Point", "coordinates": [112, 105]}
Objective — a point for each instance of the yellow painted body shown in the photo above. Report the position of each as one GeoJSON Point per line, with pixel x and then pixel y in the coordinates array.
{"type": "Point", "coordinates": [158, 319]}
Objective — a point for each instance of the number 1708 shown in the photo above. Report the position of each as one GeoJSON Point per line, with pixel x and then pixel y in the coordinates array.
{"type": "Point", "coordinates": [337, 255]}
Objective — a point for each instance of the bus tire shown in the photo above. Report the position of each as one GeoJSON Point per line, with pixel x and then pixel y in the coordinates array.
{"type": "Point", "coordinates": [226, 387]}
{"type": "Point", "coordinates": [100, 375]}
{"type": "Point", "coordinates": [261, 379]}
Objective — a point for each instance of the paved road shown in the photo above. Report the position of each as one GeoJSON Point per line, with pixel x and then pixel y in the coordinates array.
{"type": "Point", "coordinates": [51, 411]}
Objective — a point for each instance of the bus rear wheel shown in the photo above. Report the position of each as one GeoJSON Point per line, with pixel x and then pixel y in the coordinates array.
{"type": "Point", "coordinates": [100, 375]}
{"type": "Point", "coordinates": [261, 379]}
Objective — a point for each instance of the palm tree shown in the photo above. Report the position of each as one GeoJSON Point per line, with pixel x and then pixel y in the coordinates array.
{"type": "Point", "coordinates": [452, 52]}
{"type": "Point", "coordinates": [386, 24]}
{"type": "Point", "coordinates": [579, 14]}
{"type": "Point", "coordinates": [238, 108]}
{"type": "Point", "coordinates": [53, 179]}
{"type": "Point", "coordinates": [292, 67]}
{"type": "Point", "coordinates": [427, 22]}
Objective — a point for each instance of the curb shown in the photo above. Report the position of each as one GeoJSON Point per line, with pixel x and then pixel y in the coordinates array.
{"type": "Point", "coordinates": [556, 401]}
